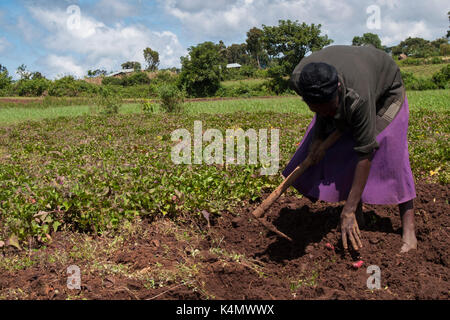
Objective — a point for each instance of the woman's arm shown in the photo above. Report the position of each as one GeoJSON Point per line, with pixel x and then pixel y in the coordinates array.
{"type": "Point", "coordinates": [359, 182]}
{"type": "Point", "coordinates": [349, 226]}
{"type": "Point", "coordinates": [319, 147]}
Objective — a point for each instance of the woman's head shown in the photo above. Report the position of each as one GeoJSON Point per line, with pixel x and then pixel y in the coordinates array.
{"type": "Point", "coordinates": [318, 85]}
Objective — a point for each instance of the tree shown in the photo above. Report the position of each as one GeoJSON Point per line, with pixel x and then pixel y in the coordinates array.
{"type": "Point", "coordinates": [222, 51]}
{"type": "Point", "coordinates": [152, 59]}
{"type": "Point", "coordinates": [437, 43]}
{"type": "Point", "coordinates": [444, 49]}
{"type": "Point", "coordinates": [201, 69]}
{"type": "Point", "coordinates": [289, 42]}
{"type": "Point", "coordinates": [237, 53]}
{"type": "Point", "coordinates": [415, 47]}
{"type": "Point", "coordinates": [23, 72]}
{"type": "Point", "coordinates": [367, 39]}
{"type": "Point", "coordinates": [132, 65]}
{"type": "Point", "coordinates": [5, 79]}
{"type": "Point", "coordinates": [255, 46]}
{"type": "Point", "coordinates": [37, 75]}
{"type": "Point", "coordinates": [96, 73]}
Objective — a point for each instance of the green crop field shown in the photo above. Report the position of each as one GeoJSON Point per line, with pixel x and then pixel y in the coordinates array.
{"type": "Point", "coordinates": [247, 81]}
{"type": "Point", "coordinates": [91, 172]}
{"type": "Point", "coordinates": [425, 70]}
{"type": "Point", "coordinates": [437, 100]}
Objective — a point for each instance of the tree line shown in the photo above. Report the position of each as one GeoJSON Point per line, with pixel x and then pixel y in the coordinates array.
{"type": "Point", "coordinates": [276, 49]}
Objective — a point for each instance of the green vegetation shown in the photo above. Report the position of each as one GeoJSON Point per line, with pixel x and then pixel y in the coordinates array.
{"type": "Point", "coordinates": [423, 70]}
{"type": "Point", "coordinates": [90, 173]}
{"type": "Point", "coordinates": [439, 80]}
{"type": "Point", "coordinates": [201, 71]}
{"type": "Point", "coordinates": [368, 39]}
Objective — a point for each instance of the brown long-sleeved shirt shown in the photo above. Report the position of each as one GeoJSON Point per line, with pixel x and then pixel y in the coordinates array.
{"type": "Point", "coordinates": [371, 96]}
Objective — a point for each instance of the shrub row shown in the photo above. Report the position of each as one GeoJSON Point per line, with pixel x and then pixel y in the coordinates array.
{"type": "Point", "coordinates": [139, 85]}
{"type": "Point", "coordinates": [440, 80]}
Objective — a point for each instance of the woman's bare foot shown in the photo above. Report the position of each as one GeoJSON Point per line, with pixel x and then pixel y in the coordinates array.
{"type": "Point", "coordinates": [409, 241]}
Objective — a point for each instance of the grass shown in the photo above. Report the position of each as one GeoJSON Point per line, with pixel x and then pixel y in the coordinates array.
{"type": "Point", "coordinates": [231, 83]}
{"type": "Point", "coordinates": [425, 70]}
{"type": "Point", "coordinates": [436, 100]}
{"type": "Point", "coordinates": [16, 115]}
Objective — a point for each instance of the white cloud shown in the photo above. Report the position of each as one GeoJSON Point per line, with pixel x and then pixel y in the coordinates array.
{"type": "Point", "coordinates": [4, 44]}
{"type": "Point", "coordinates": [341, 20]}
{"type": "Point", "coordinates": [63, 65]}
{"type": "Point", "coordinates": [399, 31]}
{"type": "Point", "coordinates": [93, 44]}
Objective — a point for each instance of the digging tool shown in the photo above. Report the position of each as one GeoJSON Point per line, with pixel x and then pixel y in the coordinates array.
{"type": "Point", "coordinates": [259, 212]}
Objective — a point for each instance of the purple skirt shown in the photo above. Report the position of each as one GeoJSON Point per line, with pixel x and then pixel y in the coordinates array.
{"type": "Point", "coordinates": [390, 179]}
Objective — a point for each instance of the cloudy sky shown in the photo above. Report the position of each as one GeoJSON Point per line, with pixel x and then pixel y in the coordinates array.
{"type": "Point", "coordinates": [60, 37]}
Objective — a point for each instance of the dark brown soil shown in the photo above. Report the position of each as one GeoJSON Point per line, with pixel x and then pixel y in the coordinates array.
{"type": "Point", "coordinates": [245, 261]}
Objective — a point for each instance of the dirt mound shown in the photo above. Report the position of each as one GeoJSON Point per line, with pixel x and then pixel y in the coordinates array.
{"type": "Point", "coordinates": [165, 261]}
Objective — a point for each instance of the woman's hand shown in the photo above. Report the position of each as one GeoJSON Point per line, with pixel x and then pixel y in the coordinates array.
{"type": "Point", "coordinates": [318, 154]}
{"type": "Point", "coordinates": [350, 229]}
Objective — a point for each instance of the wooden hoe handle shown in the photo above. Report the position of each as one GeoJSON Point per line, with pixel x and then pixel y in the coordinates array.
{"type": "Point", "coordinates": [259, 212]}
{"type": "Point", "coordinates": [280, 189]}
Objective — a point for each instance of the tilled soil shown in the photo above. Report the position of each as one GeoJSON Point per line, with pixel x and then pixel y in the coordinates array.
{"type": "Point", "coordinates": [245, 261]}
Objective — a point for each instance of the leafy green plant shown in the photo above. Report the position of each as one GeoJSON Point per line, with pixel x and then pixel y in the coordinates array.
{"type": "Point", "coordinates": [442, 78]}
{"type": "Point", "coordinates": [202, 69]}
{"type": "Point", "coordinates": [171, 98]}
{"type": "Point", "coordinates": [108, 102]}
{"type": "Point", "coordinates": [32, 87]}
{"type": "Point", "coordinates": [147, 107]}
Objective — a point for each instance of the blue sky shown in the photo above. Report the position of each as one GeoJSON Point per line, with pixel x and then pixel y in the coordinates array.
{"type": "Point", "coordinates": [45, 35]}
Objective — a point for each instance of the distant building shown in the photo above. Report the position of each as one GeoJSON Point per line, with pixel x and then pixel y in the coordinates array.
{"type": "Point", "coordinates": [119, 73]}
{"type": "Point", "coordinates": [233, 65]}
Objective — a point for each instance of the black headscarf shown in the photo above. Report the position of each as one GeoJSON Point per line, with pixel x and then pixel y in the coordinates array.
{"type": "Point", "coordinates": [318, 82]}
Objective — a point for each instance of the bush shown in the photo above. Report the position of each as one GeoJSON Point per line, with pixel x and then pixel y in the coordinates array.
{"type": "Point", "coordinates": [166, 77]}
{"type": "Point", "coordinates": [202, 70]}
{"type": "Point", "coordinates": [412, 62]}
{"type": "Point", "coordinates": [69, 87]}
{"type": "Point", "coordinates": [244, 89]}
{"type": "Point", "coordinates": [261, 74]}
{"type": "Point", "coordinates": [5, 79]}
{"type": "Point", "coordinates": [108, 101]}
{"type": "Point", "coordinates": [135, 79]}
{"type": "Point", "coordinates": [244, 72]}
{"type": "Point", "coordinates": [436, 60]}
{"type": "Point", "coordinates": [112, 81]}
{"type": "Point", "coordinates": [444, 49]}
{"type": "Point", "coordinates": [171, 98]}
{"type": "Point", "coordinates": [442, 78]}
{"type": "Point", "coordinates": [247, 71]}
{"type": "Point", "coordinates": [412, 83]}
{"type": "Point", "coordinates": [32, 88]}
{"type": "Point", "coordinates": [278, 83]}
